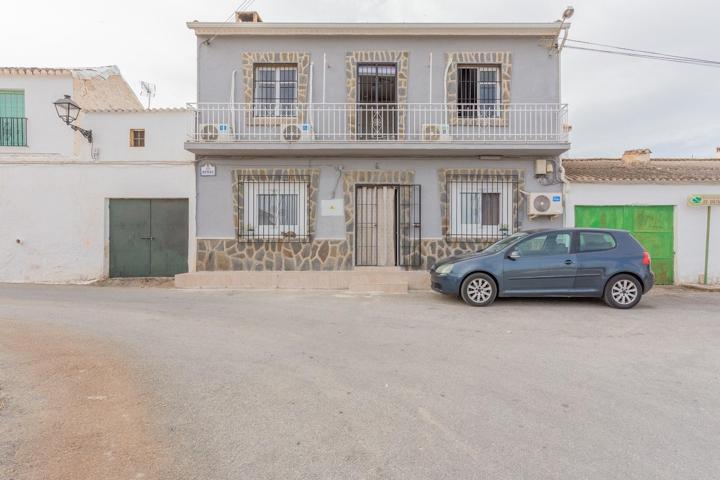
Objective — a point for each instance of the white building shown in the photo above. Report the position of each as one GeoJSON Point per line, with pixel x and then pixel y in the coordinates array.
{"type": "Point", "coordinates": [649, 197]}
{"type": "Point", "coordinates": [71, 210]}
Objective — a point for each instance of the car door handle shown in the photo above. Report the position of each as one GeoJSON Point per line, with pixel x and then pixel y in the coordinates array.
{"type": "Point", "coordinates": [569, 262]}
{"type": "Point", "coordinates": [147, 238]}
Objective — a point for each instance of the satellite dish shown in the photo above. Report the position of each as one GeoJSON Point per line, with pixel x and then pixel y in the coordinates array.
{"type": "Point", "coordinates": [147, 89]}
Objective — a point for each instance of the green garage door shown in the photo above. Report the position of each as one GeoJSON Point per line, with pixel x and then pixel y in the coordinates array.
{"type": "Point", "coordinates": [148, 238]}
{"type": "Point", "coordinates": [652, 225]}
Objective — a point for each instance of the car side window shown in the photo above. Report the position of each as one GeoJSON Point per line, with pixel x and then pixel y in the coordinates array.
{"type": "Point", "coordinates": [595, 242]}
{"type": "Point", "coordinates": [553, 243]}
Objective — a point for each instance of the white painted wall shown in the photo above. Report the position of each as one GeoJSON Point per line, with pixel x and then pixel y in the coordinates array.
{"type": "Point", "coordinates": [164, 135]}
{"type": "Point", "coordinates": [54, 211]}
{"type": "Point", "coordinates": [46, 134]}
{"type": "Point", "coordinates": [689, 221]}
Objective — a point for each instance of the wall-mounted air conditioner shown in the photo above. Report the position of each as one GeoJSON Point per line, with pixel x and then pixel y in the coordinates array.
{"type": "Point", "coordinates": [301, 132]}
{"type": "Point", "coordinates": [215, 132]}
{"type": "Point", "coordinates": [436, 132]}
{"type": "Point", "coordinates": [545, 204]}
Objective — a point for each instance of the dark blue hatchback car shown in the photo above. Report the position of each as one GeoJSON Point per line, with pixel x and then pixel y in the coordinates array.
{"type": "Point", "coordinates": [580, 262]}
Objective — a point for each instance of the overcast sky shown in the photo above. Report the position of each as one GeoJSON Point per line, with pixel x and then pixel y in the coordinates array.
{"type": "Point", "coordinates": [616, 102]}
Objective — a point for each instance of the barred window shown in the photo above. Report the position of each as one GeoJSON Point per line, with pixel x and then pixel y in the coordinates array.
{"type": "Point", "coordinates": [275, 90]}
{"type": "Point", "coordinates": [479, 91]}
{"type": "Point", "coordinates": [274, 208]}
{"type": "Point", "coordinates": [482, 207]}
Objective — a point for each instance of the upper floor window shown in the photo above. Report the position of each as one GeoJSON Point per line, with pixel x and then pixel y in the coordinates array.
{"type": "Point", "coordinates": [137, 137]}
{"type": "Point", "coordinates": [479, 91]}
{"type": "Point", "coordinates": [13, 124]}
{"type": "Point", "coordinates": [275, 90]}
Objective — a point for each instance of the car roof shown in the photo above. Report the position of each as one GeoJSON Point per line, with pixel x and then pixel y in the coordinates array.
{"type": "Point", "coordinates": [573, 229]}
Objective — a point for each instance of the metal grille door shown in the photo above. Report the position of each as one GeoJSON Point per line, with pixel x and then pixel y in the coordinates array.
{"type": "Point", "coordinates": [387, 225]}
{"type": "Point", "coordinates": [409, 225]}
{"type": "Point", "coordinates": [377, 108]}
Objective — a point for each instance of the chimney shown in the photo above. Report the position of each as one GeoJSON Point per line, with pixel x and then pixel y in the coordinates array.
{"type": "Point", "coordinates": [633, 157]}
{"type": "Point", "coordinates": [247, 17]}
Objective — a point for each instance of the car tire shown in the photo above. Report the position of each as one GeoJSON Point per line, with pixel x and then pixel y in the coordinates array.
{"type": "Point", "coordinates": [478, 290]}
{"type": "Point", "coordinates": [623, 291]}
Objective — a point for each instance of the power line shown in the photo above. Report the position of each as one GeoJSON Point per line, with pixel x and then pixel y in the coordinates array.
{"type": "Point", "coordinates": [645, 54]}
{"type": "Point", "coordinates": [642, 51]}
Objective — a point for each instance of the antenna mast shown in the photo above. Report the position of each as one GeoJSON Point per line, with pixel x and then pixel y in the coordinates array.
{"type": "Point", "coordinates": [147, 89]}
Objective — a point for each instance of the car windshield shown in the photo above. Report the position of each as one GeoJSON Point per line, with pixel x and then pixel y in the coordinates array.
{"type": "Point", "coordinates": [497, 246]}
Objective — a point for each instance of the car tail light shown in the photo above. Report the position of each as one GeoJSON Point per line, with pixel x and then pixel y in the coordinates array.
{"type": "Point", "coordinates": [646, 258]}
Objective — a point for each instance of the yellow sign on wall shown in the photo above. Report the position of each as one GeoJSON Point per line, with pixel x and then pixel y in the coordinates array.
{"type": "Point", "coordinates": [706, 200]}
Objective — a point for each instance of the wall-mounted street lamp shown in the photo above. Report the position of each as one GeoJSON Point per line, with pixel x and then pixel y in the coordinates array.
{"type": "Point", "coordinates": [68, 112]}
{"type": "Point", "coordinates": [567, 14]}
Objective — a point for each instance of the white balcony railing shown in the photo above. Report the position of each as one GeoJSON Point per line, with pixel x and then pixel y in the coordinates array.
{"type": "Point", "coordinates": [517, 123]}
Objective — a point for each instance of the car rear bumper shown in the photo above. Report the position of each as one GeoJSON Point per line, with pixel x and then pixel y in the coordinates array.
{"type": "Point", "coordinates": [648, 281]}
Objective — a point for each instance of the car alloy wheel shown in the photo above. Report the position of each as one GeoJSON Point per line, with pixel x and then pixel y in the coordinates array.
{"type": "Point", "coordinates": [479, 290]}
{"type": "Point", "coordinates": [623, 292]}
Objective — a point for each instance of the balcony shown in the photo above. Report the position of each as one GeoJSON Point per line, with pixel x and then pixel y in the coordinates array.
{"type": "Point", "coordinates": [225, 128]}
{"type": "Point", "coordinates": [13, 132]}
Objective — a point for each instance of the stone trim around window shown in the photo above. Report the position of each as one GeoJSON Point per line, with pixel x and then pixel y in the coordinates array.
{"type": "Point", "coordinates": [265, 174]}
{"type": "Point", "coordinates": [502, 59]}
{"type": "Point", "coordinates": [400, 58]}
{"type": "Point", "coordinates": [448, 173]}
{"type": "Point", "coordinates": [250, 59]}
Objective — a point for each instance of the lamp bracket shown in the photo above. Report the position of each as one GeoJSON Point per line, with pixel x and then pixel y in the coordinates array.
{"type": "Point", "coordinates": [85, 133]}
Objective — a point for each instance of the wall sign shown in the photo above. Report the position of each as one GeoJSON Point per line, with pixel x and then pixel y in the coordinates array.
{"type": "Point", "coordinates": [707, 200]}
{"type": "Point", "coordinates": [207, 170]}
{"type": "Point", "coordinates": [332, 208]}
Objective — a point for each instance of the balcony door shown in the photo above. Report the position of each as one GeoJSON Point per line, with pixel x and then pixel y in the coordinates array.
{"type": "Point", "coordinates": [377, 110]}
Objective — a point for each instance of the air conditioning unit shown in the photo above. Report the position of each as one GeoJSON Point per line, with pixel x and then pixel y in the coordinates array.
{"type": "Point", "coordinates": [215, 132]}
{"type": "Point", "coordinates": [436, 132]}
{"type": "Point", "coordinates": [545, 204]}
{"type": "Point", "coordinates": [301, 132]}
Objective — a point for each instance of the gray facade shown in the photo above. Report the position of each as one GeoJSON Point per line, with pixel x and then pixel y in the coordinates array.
{"type": "Point", "coordinates": [335, 169]}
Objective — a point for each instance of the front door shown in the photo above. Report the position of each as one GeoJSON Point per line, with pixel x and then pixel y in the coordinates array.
{"type": "Point", "coordinates": [387, 225]}
{"type": "Point", "coordinates": [377, 113]}
{"type": "Point", "coordinates": [148, 237]}
{"type": "Point", "coordinates": [543, 266]}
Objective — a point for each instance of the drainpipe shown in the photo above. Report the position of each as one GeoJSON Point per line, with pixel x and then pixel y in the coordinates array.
{"type": "Point", "coordinates": [324, 74]}
{"type": "Point", "coordinates": [447, 73]}
{"type": "Point", "coordinates": [431, 75]}
{"type": "Point", "coordinates": [310, 95]}
{"type": "Point", "coordinates": [232, 102]}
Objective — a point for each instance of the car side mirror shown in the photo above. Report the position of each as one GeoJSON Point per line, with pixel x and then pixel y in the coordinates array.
{"type": "Point", "coordinates": [514, 255]}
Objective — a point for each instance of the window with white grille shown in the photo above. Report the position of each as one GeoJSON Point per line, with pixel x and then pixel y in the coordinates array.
{"type": "Point", "coordinates": [482, 207]}
{"type": "Point", "coordinates": [275, 209]}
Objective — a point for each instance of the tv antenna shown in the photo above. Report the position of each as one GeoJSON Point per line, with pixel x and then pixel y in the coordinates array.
{"type": "Point", "coordinates": [147, 89]}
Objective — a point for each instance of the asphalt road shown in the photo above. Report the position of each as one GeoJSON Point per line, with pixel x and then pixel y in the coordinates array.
{"type": "Point", "coordinates": [106, 382]}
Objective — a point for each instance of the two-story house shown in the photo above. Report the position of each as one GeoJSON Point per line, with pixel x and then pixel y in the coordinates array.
{"type": "Point", "coordinates": [110, 193]}
{"type": "Point", "coordinates": [334, 146]}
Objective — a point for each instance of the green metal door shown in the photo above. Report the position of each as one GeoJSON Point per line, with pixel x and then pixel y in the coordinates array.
{"type": "Point", "coordinates": [653, 226]}
{"type": "Point", "coordinates": [148, 237]}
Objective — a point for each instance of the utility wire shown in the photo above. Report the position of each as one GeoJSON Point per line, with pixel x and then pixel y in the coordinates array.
{"type": "Point", "coordinates": [646, 54]}
{"type": "Point", "coordinates": [642, 51]}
